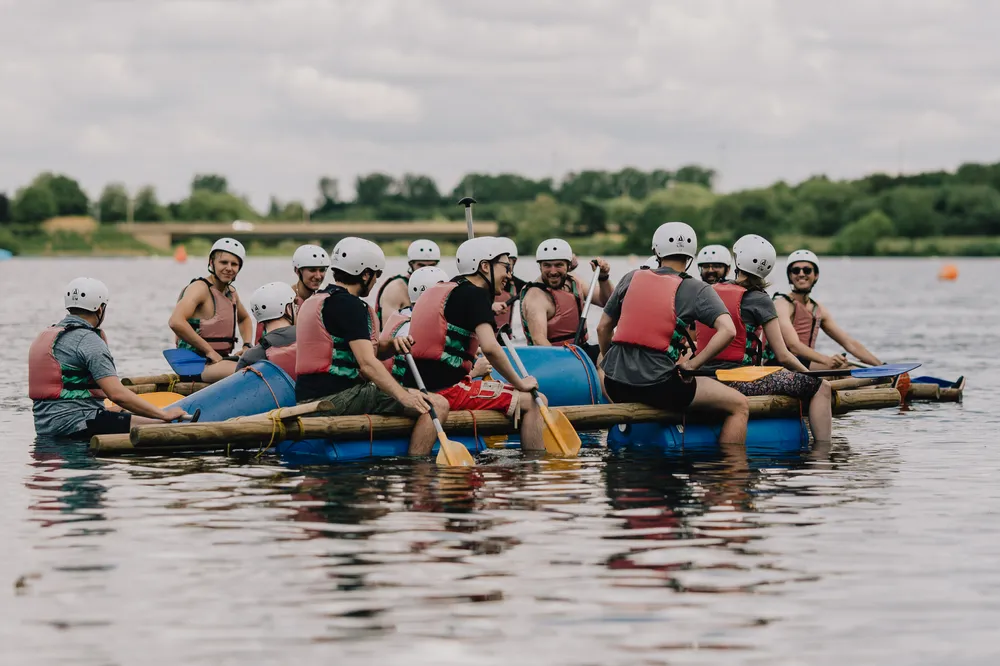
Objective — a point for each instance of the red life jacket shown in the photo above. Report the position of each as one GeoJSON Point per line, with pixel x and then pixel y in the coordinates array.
{"type": "Point", "coordinates": [434, 339]}
{"type": "Point", "coordinates": [649, 314]}
{"type": "Point", "coordinates": [807, 322]}
{"type": "Point", "coordinates": [378, 296]}
{"type": "Point", "coordinates": [746, 347]}
{"type": "Point", "coordinates": [561, 327]}
{"type": "Point", "coordinates": [219, 330]}
{"type": "Point", "coordinates": [395, 322]}
{"type": "Point", "coordinates": [316, 347]}
{"type": "Point", "coordinates": [48, 379]}
{"type": "Point", "coordinates": [283, 357]}
{"type": "Point", "coordinates": [258, 334]}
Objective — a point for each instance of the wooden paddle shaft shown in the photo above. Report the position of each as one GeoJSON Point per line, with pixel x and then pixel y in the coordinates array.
{"type": "Point", "coordinates": [287, 412]}
{"type": "Point", "coordinates": [250, 434]}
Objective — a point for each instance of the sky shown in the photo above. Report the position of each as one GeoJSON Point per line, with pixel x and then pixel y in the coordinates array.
{"type": "Point", "coordinates": [275, 94]}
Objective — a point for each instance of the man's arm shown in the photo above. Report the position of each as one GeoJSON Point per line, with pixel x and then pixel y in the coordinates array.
{"type": "Point", "coordinates": [536, 311]}
{"type": "Point", "coordinates": [605, 331]}
{"type": "Point", "coordinates": [394, 298]}
{"type": "Point", "coordinates": [121, 396]}
{"type": "Point", "coordinates": [244, 323]}
{"type": "Point", "coordinates": [841, 337]}
{"type": "Point", "coordinates": [604, 286]}
{"type": "Point", "coordinates": [498, 358]}
{"type": "Point", "coordinates": [373, 370]}
{"type": "Point", "coordinates": [255, 354]}
{"type": "Point", "coordinates": [194, 297]}
{"type": "Point", "coordinates": [725, 332]}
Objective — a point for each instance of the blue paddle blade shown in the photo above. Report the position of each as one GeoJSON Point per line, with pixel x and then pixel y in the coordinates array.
{"type": "Point", "coordinates": [184, 362]}
{"type": "Point", "coordinates": [888, 370]}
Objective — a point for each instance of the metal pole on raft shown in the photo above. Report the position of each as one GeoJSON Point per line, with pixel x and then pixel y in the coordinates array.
{"type": "Point", "coordinates": [467, 202]}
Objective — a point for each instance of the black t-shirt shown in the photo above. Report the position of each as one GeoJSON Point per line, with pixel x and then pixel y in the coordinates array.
{"type": "Point", "coordinates": [345, 316]}
{"type": "Point", "coordinates": [468, 306]}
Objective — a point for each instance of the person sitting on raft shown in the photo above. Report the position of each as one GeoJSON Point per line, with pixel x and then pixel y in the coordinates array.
{"type": "Point", "coordinates": [503, 304]}
{"type": "Point", "coordinates": [714, 262]}
{"type": "Point", "coordinates": [643, 335]}
{"type": "Point", "coordinates": [753, 311]}
{"type": "Point", "coordinates": [338, 348]}
{"type": "Point", "coordinates": [208, 311]}
{"type": "Point", "coordinates": [392, 296]}
{"type": "Point", "coordinates": [71, 371]}
{"type": "Point", "coordinates": [802, 318]}
{"type": "Point", "coordinates": [273, 306]}
{"type": "Point", "coordinates": [310, 263]}
{"type": "Point", "coordinates": [451, 322]}
{"type": "Point", "coordinates": [551, 307]}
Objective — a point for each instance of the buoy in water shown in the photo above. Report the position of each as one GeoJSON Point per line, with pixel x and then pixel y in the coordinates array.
{"type": "Point", "coordinates": [180, 254]}
{"type": "Point", "coordinates": [948, 272]}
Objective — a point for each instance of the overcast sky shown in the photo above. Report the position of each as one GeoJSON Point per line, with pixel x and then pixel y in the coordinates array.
{"type": "Point", "coordinates": [275, 93]}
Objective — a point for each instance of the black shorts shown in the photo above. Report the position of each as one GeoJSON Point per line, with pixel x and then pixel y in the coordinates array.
{"type": "Point", "coordinates": [675, 394]}
{"type": "Point", "coordinates": [107, 422]}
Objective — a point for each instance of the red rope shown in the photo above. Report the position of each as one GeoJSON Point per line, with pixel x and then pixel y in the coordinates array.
{"type": "Point", "coordinates": [590, 383]}
{"type": "Point", "coordinates": [257, 372]}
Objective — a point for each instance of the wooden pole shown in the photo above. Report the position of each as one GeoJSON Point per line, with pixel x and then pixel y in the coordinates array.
{"type": "Point", "coordinates": [182, 388]}
{"type": "Point", "coordinates": [931, 392]}
{"type": "Point", "coordinates": [850, 383]}
{"type": "Point", "coordinates": [150, 379]}
{"type": "Point", "coordinates": [871, 398]}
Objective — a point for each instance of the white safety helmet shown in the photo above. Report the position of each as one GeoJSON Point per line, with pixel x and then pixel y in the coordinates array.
{"type": "Point", "coordinates": [423, 279]}
{"type": "Point", "coordinates": [755, 255]}
{"type": "Point", "coordinates": [230, 245]}
{"type": "Point", "coordinates": [714, 254]}
{"type": "Point", "coordinates": [509, 245]}
{"type": "Point", "coordinates": [673, 238]}
{"type": "Point", "coordinates": [802, 255]}
{"type": "Point", "coordinates": [270, 301]}
{"type": "Point", "coordinates": [652, 263]}
{"type": "Point", "coordinates": [475, 251]}
{"type": "Point", "coordinates": [423, 250]}
{"type": "Point", "coordinates": [554, 249]}
{"type": "Point", "coordinates": [86, 294]}
{"type": "Point", "coordinates": [310, 256]}
{"type": "Point", "coordinates": [354, 256]}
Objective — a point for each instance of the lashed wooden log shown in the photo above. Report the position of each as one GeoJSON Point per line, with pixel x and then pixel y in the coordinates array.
{"type": "Point", "coordinates": [254, 433]}
{"type": "Point", "coordinates": [150, 379]}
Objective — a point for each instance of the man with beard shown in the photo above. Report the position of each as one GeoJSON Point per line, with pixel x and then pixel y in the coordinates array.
{"type": "Point", "coordinates": [552, 306]}
{"type": "Point", "coordinates": [392, 296]}
{"type": "Point", "coordinates": [713, 263]}
{"type": "Point", "coordinates": [802, 318]}
{"type": "Point", "coordinates": [209, 310]}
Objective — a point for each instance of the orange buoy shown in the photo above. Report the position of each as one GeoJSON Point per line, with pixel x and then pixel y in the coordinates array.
{"type": "Point", "coordinates": [948, 272]}
{"type": "Point", "coordinates": [180, 254]}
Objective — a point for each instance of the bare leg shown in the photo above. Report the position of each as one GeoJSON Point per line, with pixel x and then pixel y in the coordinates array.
{"type": "Point", "coordinates": [821, 413]}
{"type": "Point", "coordinates": [424, 433]}
{"type": "Point", "coordinates": [216, 371]}
{"type": "Point", "coordinates": [717, 396]}
{"type": "Point", "coordinates": [532, 425]}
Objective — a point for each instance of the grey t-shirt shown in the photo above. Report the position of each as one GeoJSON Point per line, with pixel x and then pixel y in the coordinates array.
{"type": "Point", "coordinates": [80, 348]}
{"type": "Point", "coordinates": [756, 309]}
{"type": "Point", "coordinates": [638, 366]}
{"type": "Point", "coordinates": [280, 338]}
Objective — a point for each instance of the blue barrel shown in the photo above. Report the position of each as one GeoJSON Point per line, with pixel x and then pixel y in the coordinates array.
{"type": "Point", "coordinates": [565, 375]}
{"type": "Point", "coordinates": [252, 390]}
{"type": "Point", "coordinates": [765, 437]}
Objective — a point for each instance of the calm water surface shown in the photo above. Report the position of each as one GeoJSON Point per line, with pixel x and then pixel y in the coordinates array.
{"type": "Point", "coordinates": [881, 549]}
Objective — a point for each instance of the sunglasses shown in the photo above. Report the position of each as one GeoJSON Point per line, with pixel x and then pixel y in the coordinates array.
{"type": "Point", "coordinates": [506, 265]}
{"type": "Point", "coordinates": [805, 270]}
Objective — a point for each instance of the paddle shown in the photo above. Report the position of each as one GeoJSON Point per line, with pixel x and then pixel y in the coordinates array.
{"type": "Point", "coordinates": [159, 399]}
{"type": "Point", "coordinates": [185, 362]}
{"type": "Point", "coordinates": [450, 452]}
{"type": "Point", "coordinates": [560, 437]}
{"type": "Point", "coordinates": [582, 326]}
{"type": "Point", "coordinates": [750, 373]}
{"type": "Point", "coordinates": [467, 202]}
{"type": "Point", "coordinates": [902, 383]}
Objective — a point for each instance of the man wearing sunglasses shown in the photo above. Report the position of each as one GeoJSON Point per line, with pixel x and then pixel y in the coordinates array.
{"type": "Point", "coordinates": [802, 318]}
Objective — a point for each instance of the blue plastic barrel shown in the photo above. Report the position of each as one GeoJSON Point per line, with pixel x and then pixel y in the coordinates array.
{"type": "Point", "coordinates": [565, 375]}
{"type": "Point", "coordinates": [765, 437]}
{"type": "Point", "coordinates": [253, 390]}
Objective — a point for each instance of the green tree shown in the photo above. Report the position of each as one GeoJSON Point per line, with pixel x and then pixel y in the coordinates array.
{"type": "Point", "coordinates": [274, 209]}
{"type": "Point", "coordinates": [592, 218]}
{"type": "Point", "coordinates": [969, 210]}
{"type": "Point", "coordinates": [34, 204]}
{"type": "Point", "coordinates": [531, 223]}
{"type": "Point", "coordinates": [373, 189]}
{"type": "Point", "coordinates": [4, 208]}
{"type": "Point", "coordinates": [587, 184]}
{"type": "Point", "coordinates": [502, 188]}
{"type": "Point", "coordinates": [860, 238]}
{"type": "Point", "coordinates": [70, 198]}
{"type": "Point", "coordinates": [210, 182]}
{"type": "Point", "coordinates": [147, 206]}
{"type": "Point", "coordinates": [912, 210]}
{"type": "Point", "coordinates": [293, 211]}
{"type": "Point", "coordinates": [830, 200]}
{"type": "Point", "coordinates": [684, 202]}
{"type": "Point", "coordinates": [419, 190]}
{"type": "Point", "coordinates": [112, 205]}
{"type": "Point", "coordinates": [207, 206]}
{"type": "Point", "coordinates": [623, 214]}
{"type": "Point", "coordinates": [747, 212]}
{"type": "Point", "coordinates": [696, 175]}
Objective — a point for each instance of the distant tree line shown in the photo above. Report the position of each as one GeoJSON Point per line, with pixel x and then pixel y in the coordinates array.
{"type": "Point", "coordinates": [629, 202]}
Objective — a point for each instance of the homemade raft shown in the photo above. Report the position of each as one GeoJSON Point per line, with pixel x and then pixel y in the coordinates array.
{"type": "Point", "coordinates": [567, 377]}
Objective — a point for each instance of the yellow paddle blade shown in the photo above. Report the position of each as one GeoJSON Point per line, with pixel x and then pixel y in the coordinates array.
{"type": "Point", "coordinates": [161, 399]}
{"type": "Point", "coordinates": [453, 453]}
{"type": "Point", "coordinates": [747, 373]}
{"type": "Point", "coordinates": [560, 437]}
{"type": "Point", "coordinates": [495, 441]}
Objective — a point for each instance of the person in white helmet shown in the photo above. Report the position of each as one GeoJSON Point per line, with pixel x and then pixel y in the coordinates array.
{"type": "Point", "coordinates": [273, 306]}
{"type": "Point", "coordinates": [551, 307]}
{"type": "Point", "coordinates": [338, 347]}
{"type": "Point", "coordinates": [310, 263]}
{"type": "Point", "coordinates": [505, 302]}
{"type": "Point", "coordinates": [209, 310]}
{"type": "Point", "coordinates": [802, 318]}
{"type": "Point", "coordinates": [714, 262]}
{"type": "Point", "coordinates": [392, 295]}
{"type": "Point", "coordinates": [754, 314]}
{"type": "Point", "coordinates": [644, 339]}
{"type": "Point", "coordinates": [71, 371]}
{"type": "Point", "coordinates": [452, 321]}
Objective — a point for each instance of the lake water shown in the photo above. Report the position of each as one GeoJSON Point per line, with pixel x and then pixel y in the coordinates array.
{"type": "Point", "coordinates": [881, 549]}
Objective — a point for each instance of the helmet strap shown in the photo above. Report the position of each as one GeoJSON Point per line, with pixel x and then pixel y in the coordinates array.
{"type": "Point", "coordinates": [101, 311]}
